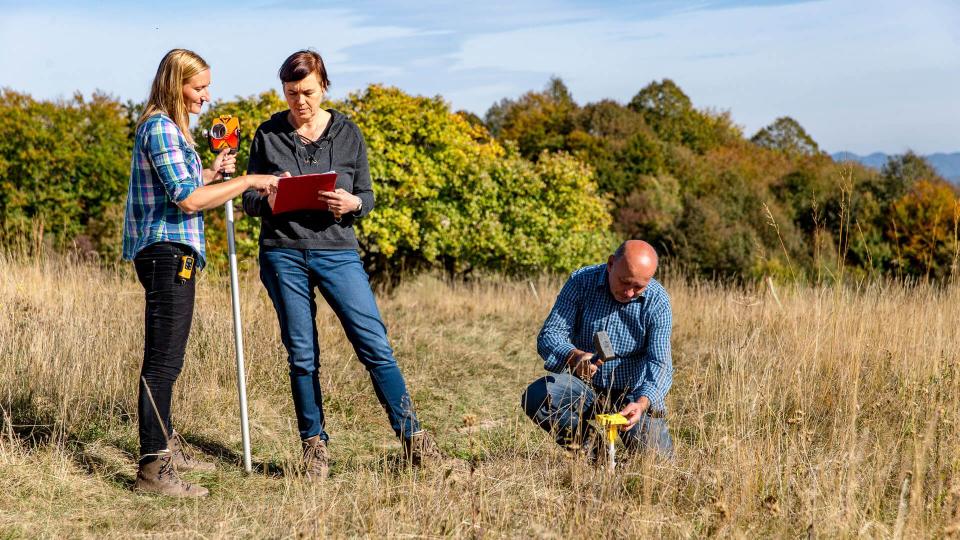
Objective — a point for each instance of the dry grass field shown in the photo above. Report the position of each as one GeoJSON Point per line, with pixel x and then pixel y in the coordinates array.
{"type": "Point", "coordinates": [821, 412]}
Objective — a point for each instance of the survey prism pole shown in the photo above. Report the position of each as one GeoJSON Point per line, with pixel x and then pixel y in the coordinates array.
{"type": "Point", "coordinates": [238, 338]}
{"type": "Point", "coordinates": [225, 134]}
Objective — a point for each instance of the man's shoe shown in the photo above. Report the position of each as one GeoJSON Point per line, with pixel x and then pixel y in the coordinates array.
{"type": "Point", "coordinates": [589, 449]}
{"type": "Point", "coordinates": [183, 457]}
{"type": "Point", "coordinates": [316, 463]}
{"type": "Point", "coordinates": [421, 450]}
{"type": "Point", "coordinates": [160, 477]}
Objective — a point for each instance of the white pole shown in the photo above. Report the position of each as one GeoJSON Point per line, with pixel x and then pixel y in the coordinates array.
{"type": "Point", "coordinates": [238, 339]}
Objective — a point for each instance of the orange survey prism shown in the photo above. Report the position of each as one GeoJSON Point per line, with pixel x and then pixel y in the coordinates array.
{"type": "Point", "coordinates": [225, 133]}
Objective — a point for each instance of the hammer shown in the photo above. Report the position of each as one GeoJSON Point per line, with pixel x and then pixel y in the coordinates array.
{"type": "Point", "coordinates": [603, 347]}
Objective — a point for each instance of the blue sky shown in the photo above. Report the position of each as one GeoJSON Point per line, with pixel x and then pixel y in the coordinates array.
{"type": "Point", "coordinates": [859, 75]}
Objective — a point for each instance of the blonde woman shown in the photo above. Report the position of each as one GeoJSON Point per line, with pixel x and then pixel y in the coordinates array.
{"type": "Point", "coordinates": [163, 235]}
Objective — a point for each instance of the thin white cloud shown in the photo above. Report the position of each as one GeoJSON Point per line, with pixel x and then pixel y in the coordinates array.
{"type": "Point", "coordinates": [858, 75]}
{"type": "Point", "coordinates": [52, 54]}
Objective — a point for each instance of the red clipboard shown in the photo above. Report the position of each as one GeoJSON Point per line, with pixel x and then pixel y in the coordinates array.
{"type": "Point", "coordinates": [300, 192]}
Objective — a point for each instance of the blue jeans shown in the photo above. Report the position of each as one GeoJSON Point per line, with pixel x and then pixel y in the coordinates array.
{"type": "Point", "coordinates": [291, 277]}
{"type": "Point", "coordinates": [562, 404]}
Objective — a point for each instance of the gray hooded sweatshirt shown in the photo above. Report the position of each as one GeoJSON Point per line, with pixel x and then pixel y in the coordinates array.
{"type": "Point", "coordinates": [276, 149]}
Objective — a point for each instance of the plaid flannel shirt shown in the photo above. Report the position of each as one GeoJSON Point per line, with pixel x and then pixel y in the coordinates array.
{"type": "Point", "coordinates": [165, 169]}
{"type": "Point", "coordinates": [639, 331]}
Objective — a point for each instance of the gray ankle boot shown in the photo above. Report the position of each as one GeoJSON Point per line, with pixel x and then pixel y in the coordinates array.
{"type": "Point", "coordinates": [421, 450]}
{"type": "Point", "coordinates": [161, 478]}
{"type": "Point", "coordinates": [316, 463]}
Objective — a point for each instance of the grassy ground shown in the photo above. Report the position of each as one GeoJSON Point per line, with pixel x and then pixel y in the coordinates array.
{"type": "Point", "coordinates": [823, 411]}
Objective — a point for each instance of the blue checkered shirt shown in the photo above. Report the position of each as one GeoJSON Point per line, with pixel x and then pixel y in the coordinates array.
{"type": "Point", "coordinates": [639, 331]}
{"type": "Point", "coordinates": [165, 170]}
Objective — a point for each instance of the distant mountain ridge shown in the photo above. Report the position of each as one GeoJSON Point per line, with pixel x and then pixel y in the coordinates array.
{"type": "Point", "coordinates": [948, 165]}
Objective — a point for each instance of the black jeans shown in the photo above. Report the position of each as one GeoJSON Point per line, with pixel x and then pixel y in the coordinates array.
{"type": "Point", "coordinates": [167, 318]}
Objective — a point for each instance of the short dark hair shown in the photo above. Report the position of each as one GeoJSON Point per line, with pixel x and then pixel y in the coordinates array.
{"type": "Point", "coordinates": [301, 64]}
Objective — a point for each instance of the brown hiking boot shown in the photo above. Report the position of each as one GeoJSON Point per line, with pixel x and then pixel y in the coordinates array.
{"type": "Point", "coordinates": [316, 463]}
{"type": "Point", "coordinates": [421, 450]}
{"type": "Point", "coordinates": [161, 478]}
{"type": "Point", "coordinates": [591, 449]}
{"type": "Point", "coordinates": [183, 457]}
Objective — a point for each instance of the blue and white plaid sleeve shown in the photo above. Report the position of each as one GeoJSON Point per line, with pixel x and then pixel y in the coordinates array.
{"type": "Point", "coordinates": [658, 375]}
{"type": "Point", "coordinates": [169, 160]}
{"type": "Point", "coordinates": [553, 343]}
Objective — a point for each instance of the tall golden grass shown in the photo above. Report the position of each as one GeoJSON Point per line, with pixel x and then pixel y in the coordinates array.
{"type": "Point", "coordinates": [819, 411]}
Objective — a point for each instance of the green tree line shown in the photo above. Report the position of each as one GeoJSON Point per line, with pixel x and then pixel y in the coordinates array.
{"type": "Point", "coordinates": [540, 184]}
{"type": "Point", "coordinates": [720, 204]}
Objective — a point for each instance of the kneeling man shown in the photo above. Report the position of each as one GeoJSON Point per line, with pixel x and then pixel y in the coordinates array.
{"type": "Point", "coordinates": [622, 299]}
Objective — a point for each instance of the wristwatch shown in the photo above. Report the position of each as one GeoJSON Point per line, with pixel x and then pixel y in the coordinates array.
{"type": "Point", "coordinates": [359, 207]}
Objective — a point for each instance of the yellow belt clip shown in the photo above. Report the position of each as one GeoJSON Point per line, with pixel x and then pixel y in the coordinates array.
{"type": "Point", "coordinates": [186, 267]}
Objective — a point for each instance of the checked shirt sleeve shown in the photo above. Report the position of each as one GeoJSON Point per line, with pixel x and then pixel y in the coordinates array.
{"type": "Point", "coordinates": [170, 160]}
{"type": "Point", "coordinates": [658, 372]}
{"type": "Point", "coordinates": [553, 343]}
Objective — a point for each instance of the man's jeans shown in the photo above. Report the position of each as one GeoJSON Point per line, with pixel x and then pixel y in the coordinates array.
{"type": "Point", "coordinates": [167, 318]}
{"type": "Point", "coordinates": [562, 404]}
{"type": "Point", "coordinates": [291, 276]}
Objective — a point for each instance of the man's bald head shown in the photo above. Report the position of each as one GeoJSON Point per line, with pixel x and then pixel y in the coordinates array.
{"type": "Point", "coordinates": [630, 269]}
{"type": "Point", "coordinates": [638, 253]}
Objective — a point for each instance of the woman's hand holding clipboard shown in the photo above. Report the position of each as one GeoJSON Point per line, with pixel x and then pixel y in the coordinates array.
{"type": "Point", "coordinates": [340, 202]}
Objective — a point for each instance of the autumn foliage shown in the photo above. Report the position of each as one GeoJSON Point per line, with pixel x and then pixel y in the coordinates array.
{"type": "Point", "coordinates": [541, 184]}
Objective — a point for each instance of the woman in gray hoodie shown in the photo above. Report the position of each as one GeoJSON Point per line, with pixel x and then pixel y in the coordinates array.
{"type": "Point", "coordinates": [301, 251]}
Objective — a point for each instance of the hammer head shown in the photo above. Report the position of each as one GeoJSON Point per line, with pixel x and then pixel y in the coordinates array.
{"type": "Point", "coordinates": [603, 346]}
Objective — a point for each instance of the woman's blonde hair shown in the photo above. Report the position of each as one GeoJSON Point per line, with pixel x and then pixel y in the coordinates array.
{"type": "Point", "coordinates": [166, 92]}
